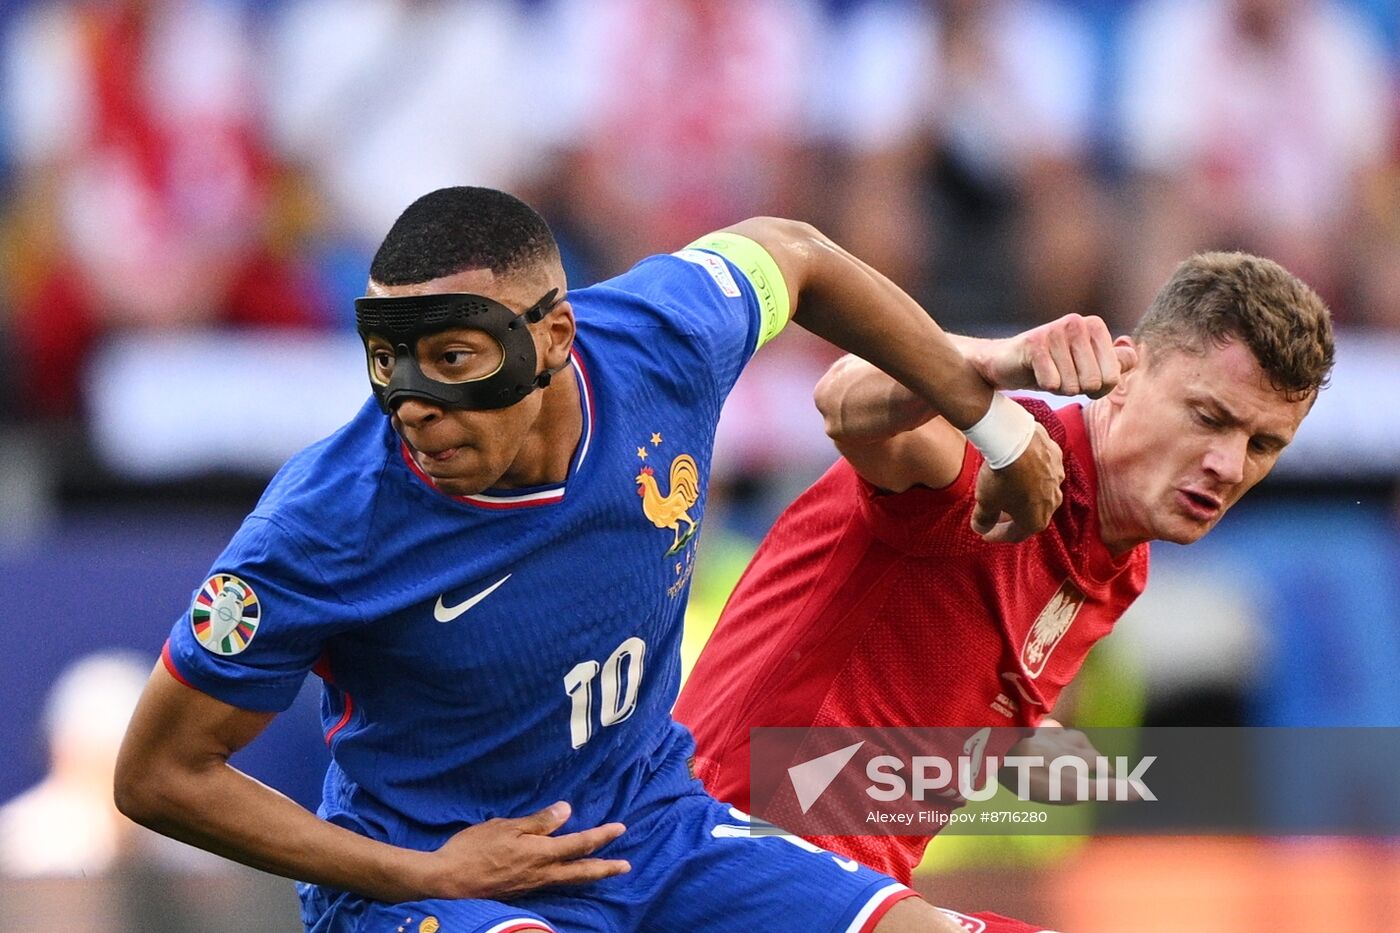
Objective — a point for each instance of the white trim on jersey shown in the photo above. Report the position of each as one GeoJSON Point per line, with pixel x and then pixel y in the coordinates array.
{"type": "Point", "coordinates": [554, 492]}
{"type": "Point", "coordinates": [876, 901]}
{"type": "Point", "coordinates": [587, 394]}
{"type": "Point", "coordinates": [520, 923]}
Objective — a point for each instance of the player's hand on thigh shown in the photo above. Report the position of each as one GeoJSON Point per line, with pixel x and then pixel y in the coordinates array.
{"type": "Point", "coordinates": [504, 858]}
{"type": "Point", "coordinates": [1071, 355]}
{"type": "Point", "coordinates": [1018, 500]}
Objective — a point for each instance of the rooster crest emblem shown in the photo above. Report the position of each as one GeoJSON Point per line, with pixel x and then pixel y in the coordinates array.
{"type": "Point", "coordinates": [671, 509]}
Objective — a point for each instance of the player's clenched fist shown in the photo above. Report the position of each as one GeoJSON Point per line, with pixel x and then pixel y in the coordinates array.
{"type": "Point", "coordinates": [1017, 501]}
{"type": "Point", "coordinates": [1071, 355]}
{"type": "Point", "coordinates": [501, 858]}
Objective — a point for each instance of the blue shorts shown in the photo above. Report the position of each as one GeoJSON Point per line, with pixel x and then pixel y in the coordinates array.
{"type": "Point", "coordinates": [695, 866]}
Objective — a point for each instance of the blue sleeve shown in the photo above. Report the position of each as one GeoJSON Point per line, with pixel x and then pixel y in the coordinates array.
{"type": "Point", "coordinates": [258, 623]}
{"type": "Point", "coordinates": [708, 304]}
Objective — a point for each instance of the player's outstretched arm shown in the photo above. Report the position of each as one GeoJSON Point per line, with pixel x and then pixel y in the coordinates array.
{"type": "Point", "coordinates": [838, 297]}
{"type": "Point", "coordinates": [895, 439]}
{"type": "Point", "coordinates": [173, 776]}
{"type": "Point", "coordinates": [1071, 355]}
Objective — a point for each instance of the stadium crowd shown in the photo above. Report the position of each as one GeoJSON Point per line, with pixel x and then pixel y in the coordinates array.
{"type": "Point", "coordinates": [171, 164]}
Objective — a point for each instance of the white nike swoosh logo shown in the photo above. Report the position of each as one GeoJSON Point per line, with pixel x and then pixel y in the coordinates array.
{"type": "Point", "coordinates": [448, 613]}
{"type": "Point", "coordinates": [849, 864]}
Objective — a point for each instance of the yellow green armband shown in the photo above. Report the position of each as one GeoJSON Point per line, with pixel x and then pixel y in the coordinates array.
{"type": "Point", "coordinates": [762, 272]}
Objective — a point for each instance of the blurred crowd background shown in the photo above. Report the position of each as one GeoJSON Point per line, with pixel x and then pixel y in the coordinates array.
{"type": "Point", "coordinates": [191, 191]}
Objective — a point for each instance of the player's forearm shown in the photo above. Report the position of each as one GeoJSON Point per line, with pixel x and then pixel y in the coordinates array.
{"type": "Point", "coordinates": [855, 307]}
{"type": "Point", "coordinates": [222, 810]}
{"type": "Point", "coordinates": [862, 405]}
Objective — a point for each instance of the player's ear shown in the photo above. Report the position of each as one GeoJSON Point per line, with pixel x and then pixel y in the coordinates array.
{"type": "Point", "coordinates": [1130, 362]}
{"type": "Point", "coordinates": [557, 331]}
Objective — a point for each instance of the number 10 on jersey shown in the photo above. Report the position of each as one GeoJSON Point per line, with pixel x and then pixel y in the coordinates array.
{"type": "Point", "coordinates": [621, 678]}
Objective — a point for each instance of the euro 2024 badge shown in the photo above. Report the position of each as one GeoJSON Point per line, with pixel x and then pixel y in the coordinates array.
{"type": "Point", "coordinates": [225, 614]}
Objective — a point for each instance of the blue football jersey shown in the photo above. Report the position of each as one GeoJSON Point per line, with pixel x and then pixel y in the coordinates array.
{"type": "Point", "coordinates": [484, 656]}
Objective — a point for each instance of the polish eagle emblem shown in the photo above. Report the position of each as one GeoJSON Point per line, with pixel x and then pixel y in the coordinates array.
{"type": "Point", "coordinates": [1049, 627]}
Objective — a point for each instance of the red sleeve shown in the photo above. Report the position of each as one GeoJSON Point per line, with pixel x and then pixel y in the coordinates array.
{"type": "Point", "coordinates": [930, 522]}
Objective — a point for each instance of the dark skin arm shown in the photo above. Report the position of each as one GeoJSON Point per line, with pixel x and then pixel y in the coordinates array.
{"type": "Point", "coordinates": [896, 440]}
{"type": "Point", "coordinates": [842, 299]}
{"type": "Point", "coordinates": [173, 776]}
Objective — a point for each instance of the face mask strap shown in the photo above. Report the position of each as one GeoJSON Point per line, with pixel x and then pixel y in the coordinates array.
{"type": "Point", "coordinates": [537, 311]}
{"type": "Point", "coordinates": [533, 315]}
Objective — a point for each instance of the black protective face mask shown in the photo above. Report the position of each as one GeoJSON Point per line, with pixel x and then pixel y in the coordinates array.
{"type": "Point", "coordinates": [402, 322]}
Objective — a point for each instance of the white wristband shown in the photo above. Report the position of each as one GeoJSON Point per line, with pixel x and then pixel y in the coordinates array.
{"type": "Point", "coordinates": [1003, 433]}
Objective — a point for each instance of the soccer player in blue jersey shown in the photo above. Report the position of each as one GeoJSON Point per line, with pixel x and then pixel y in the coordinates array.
{"type": "Point", "coordinates": [487, 569]}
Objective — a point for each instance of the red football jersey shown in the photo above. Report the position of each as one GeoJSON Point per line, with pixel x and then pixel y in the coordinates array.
{"type": "Point", "coordinates": [865, 608]}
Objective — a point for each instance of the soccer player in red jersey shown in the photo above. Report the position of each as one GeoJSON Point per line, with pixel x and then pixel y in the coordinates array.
{"type": "Point", "coordinates": [880, 599]}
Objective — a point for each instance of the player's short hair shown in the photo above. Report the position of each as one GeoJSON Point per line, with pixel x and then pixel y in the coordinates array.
{"type": "Point", "coordinates": [1213, 298]}
{"type": "Point", "coordinates": [452, 230]}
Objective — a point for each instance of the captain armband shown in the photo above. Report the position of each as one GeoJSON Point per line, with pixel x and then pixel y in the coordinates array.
{"type": "Point", "coordinates": [1003, 433]}
{"type": "Point", "coordinates": [756, 265]}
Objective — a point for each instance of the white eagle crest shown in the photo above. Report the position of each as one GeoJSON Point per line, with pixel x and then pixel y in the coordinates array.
{"type": "Point", "coordinates": [1050, 626]}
